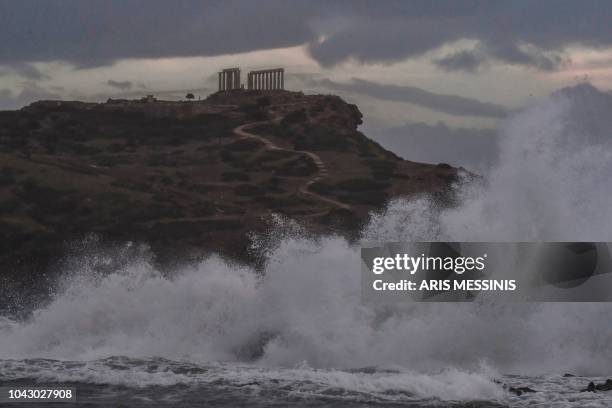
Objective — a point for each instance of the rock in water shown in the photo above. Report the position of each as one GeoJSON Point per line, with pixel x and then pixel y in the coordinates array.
{"type": "Point", "coordinates": [589, 388]}
{"type": "Point", "coordinates": [607, 386]}
{"type": "Point", "coordinates": [520, 390]}
{"type": "Point", "coordinates": [592, 387]}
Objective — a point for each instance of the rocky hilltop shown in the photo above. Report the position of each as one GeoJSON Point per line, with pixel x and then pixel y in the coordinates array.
{"type": "Point", "coordinates": [189, 177]}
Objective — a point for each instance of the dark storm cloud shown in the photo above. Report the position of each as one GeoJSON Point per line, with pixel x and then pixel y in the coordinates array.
{"type": "Point", "coordinates": [472, 60]}
{"type": "Point", "coordinates": [94, 32]}
{"type": "Point", "coordinates": [468, 61]}
{"type": "Point", "coordinates": [450, 104]}
{"type": "Point", "coordinates": [391, 31]}
{"type": "Point", "coordinates": [122, 85]}
{"type": "Point", "coordinates": [513, 54]}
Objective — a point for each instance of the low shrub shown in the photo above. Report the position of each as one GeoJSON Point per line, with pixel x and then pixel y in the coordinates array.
{"type": "Point", "coordinates": [377, 198]}
{"type": "Point", "coordinates": [115, 148]}
{"type": "Point", "coordinates": [7, 180]}
{"type": "Point", "coordinates": [204, 209]}
{"type": "Point", "coordinates": [361, 184]}
{"type": "Point", "coordinates": [273, 155]}
{"type": "Point", "coordinates": [300, 167]}
{"type": "Point", "coordinates": [322, 188]}
{"type": "Point", "coordinates": [235, 176]}
{"type": "Point", "coordinates": [248, 190]}
{"type": "Point", "coordinates": [298, 116]}
{"type": "Point", "coordinates": [321, 138]}
{"type": "Point", "coordinates": [381, 169]}
{"type": "Point", "coordinates": [9, 205]}
{"type": "Point", "coordinates": [112, 160]}
{"type": "Point", "coordinates": [269, 130]}
{"type": "Point", "coordinates": [244, 145]}
{"type": "Point", "coordinates": [161, 159]}
{"type": "Point", "coordinates": [254, 112]}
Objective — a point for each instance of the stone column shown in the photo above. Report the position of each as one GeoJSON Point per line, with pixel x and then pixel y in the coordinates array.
{"type": "Point", "coordinates": [282, 83]}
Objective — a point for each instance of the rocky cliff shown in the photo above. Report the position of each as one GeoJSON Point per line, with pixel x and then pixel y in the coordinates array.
{"type": "Point", "coordinates": [188, 178]}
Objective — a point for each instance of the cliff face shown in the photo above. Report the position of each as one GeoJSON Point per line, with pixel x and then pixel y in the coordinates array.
{"type": "Point", "coordinates": [188, 178]}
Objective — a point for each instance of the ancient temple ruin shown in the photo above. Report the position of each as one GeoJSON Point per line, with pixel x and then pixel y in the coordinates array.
{"type": "Point", "coordinates": [264, 80]}
{"type": "Point", "coordinates": [229, 79]}
{"type": "Point", "coordinates": [267, 79]}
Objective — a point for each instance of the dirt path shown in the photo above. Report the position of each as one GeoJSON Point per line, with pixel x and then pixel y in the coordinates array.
{"type": "Point", "coordinates": [305, 188]}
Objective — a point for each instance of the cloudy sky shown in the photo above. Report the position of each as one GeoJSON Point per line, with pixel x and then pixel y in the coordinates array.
{"type": "Point", "coordinates": [440, 71]}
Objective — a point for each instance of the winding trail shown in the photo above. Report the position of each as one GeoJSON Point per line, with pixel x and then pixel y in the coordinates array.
{"type": "Point", "coordinates": [269, 145]}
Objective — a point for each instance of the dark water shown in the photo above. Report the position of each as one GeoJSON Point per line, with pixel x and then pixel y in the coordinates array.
{"type": "Point", "coordinates": [126, 382]}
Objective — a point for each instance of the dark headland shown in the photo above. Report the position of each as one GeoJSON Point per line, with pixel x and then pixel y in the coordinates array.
{"type": "Point", "coordinates": [187, 178]}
